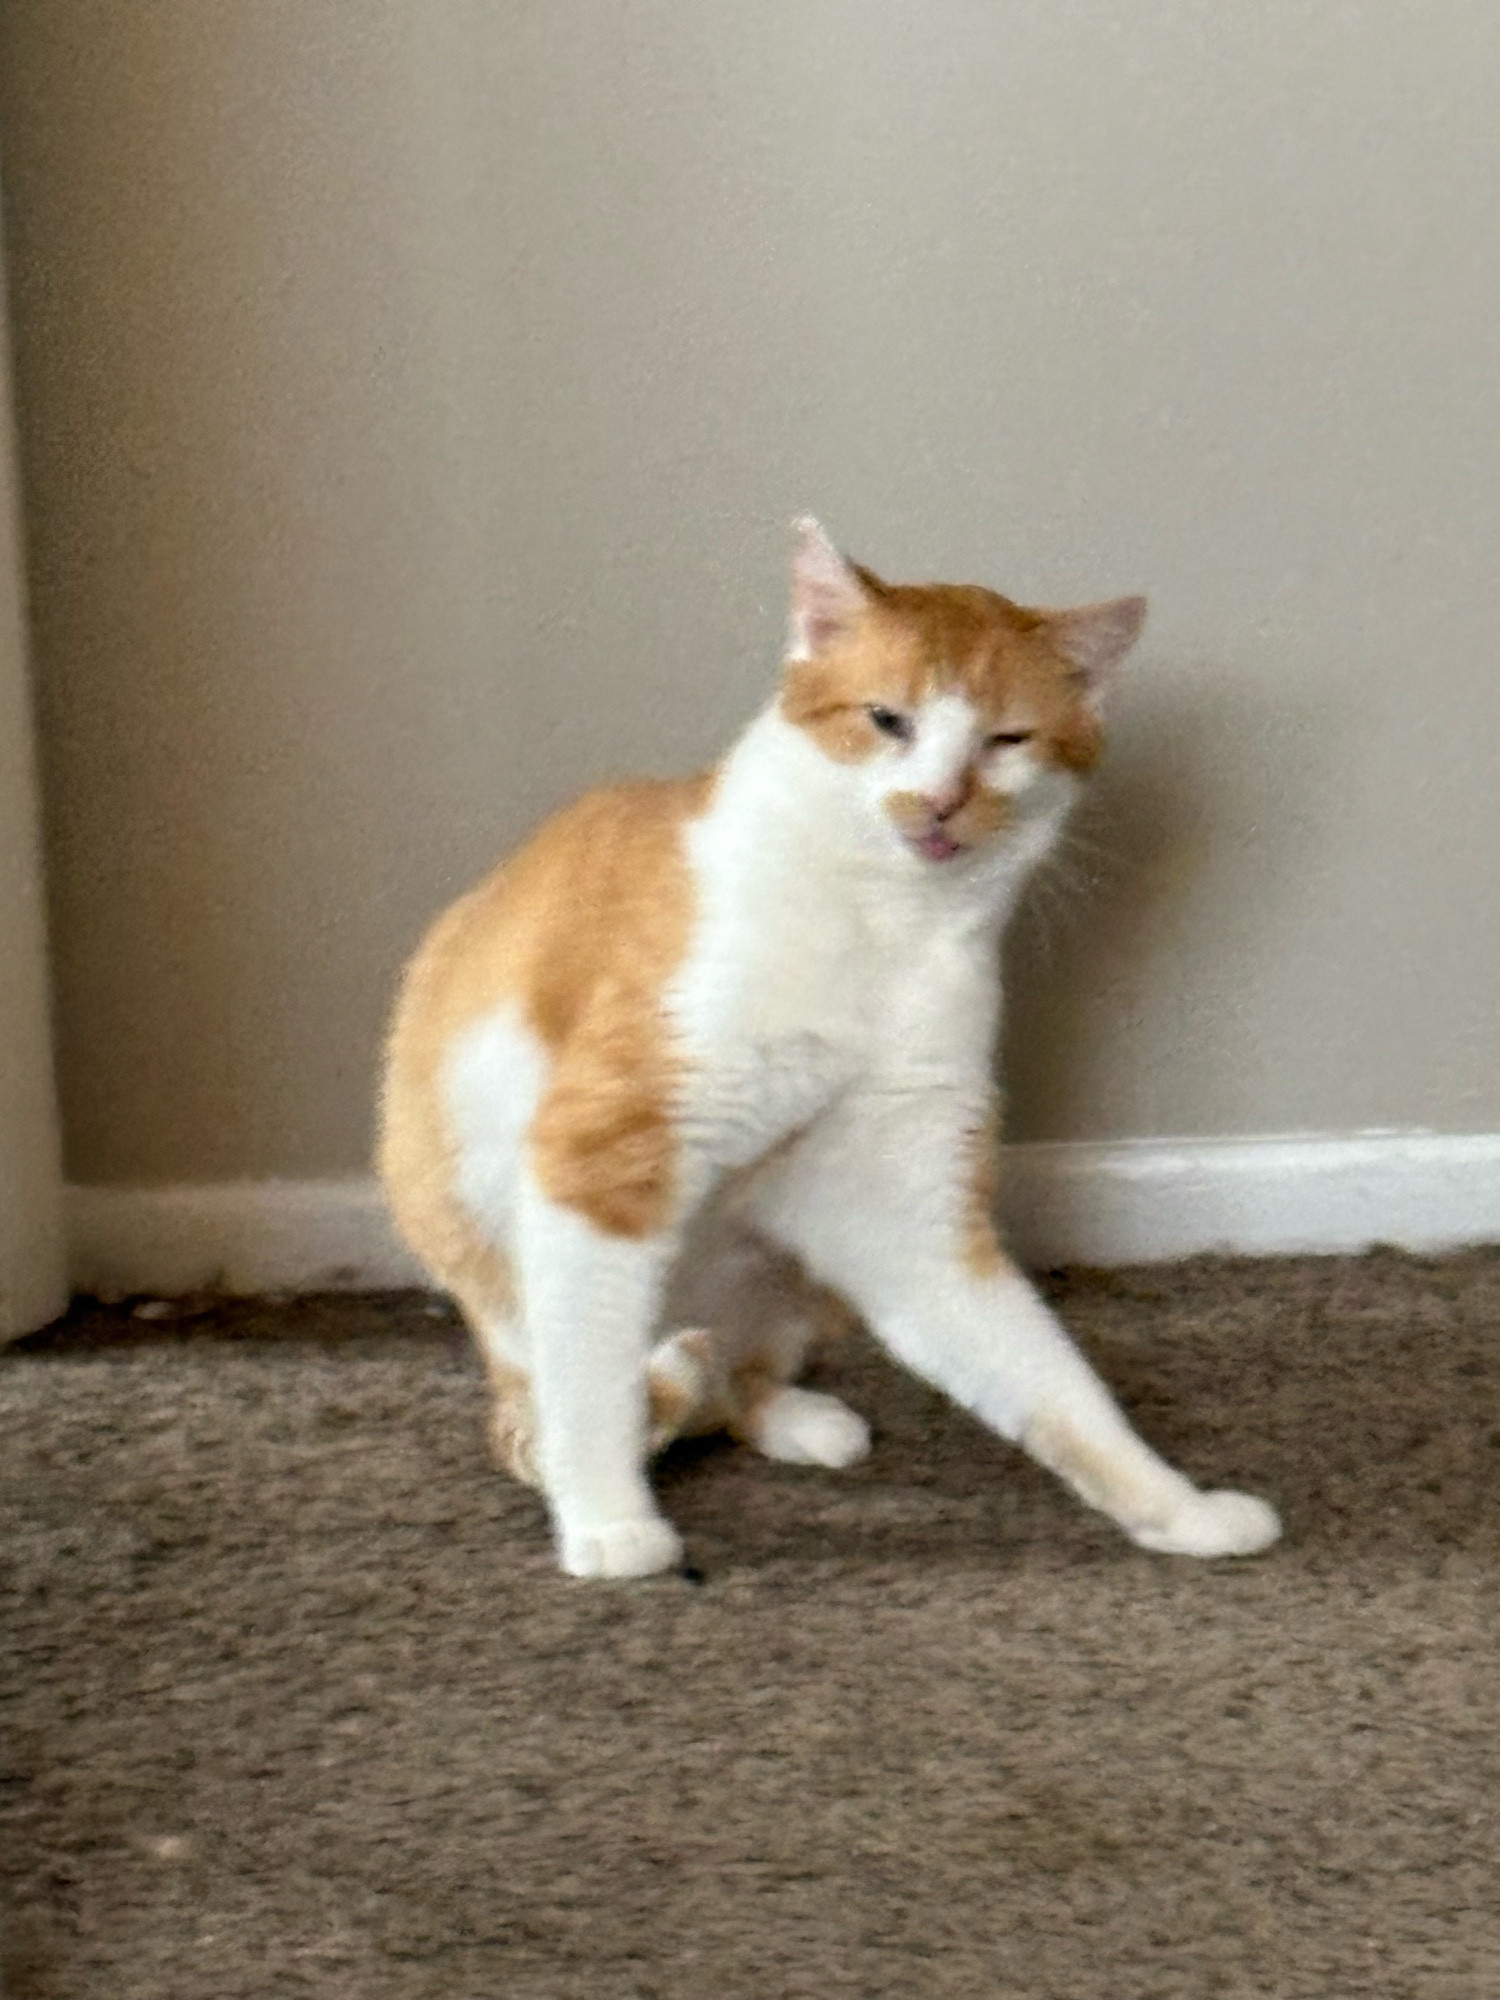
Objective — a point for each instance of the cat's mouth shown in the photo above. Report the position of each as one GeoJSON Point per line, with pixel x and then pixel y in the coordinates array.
{"type": "Point", "coordinates": [936, 845]}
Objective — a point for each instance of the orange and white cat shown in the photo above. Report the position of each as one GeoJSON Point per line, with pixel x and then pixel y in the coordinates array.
{"type": "Point", "coordinates": [708, 1062]}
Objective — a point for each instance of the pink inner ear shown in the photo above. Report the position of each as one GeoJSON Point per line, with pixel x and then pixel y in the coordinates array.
{"type": "Point", "coordinates": [827, 596]}
{"type": "Point", "coordinates": [1098, 636]}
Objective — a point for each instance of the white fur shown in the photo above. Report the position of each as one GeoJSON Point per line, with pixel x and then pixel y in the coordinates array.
{"type": "Point", "coordinates": [804, 1428]}
{"type": "Point", "coordinates": [493, 1080]}
{"type": "Point", "coordinates": [592, 1300]}
{"type": "Point", "coordinates": [840, 993]}
{"type": "Point", "coordinates": [946, 735]}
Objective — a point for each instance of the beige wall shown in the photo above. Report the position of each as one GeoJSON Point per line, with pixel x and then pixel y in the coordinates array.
{"type": "Point", "coordinates": [415, 398]}
{"type": "Point", "coordinates": [32, 1286]}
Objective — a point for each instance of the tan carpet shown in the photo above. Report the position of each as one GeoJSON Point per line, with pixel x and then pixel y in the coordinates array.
{"type": "Point", "coordinates": [295, 1704]}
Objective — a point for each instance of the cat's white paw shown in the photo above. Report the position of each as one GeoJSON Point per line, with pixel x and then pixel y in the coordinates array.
{"type": "Point", "coordinates": [1215, 1524]}
{"type": "Point", "coordinates": [640, 1547]}
{"type": "Point", "coordinates": [800, 1427]}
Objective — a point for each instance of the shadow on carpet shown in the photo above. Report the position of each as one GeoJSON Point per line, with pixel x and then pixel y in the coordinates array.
{"type": "Point", "coordinates": [294, 1702]}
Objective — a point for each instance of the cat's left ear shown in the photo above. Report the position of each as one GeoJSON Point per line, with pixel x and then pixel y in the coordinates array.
{"type": "Point", "coordinates": [828, 593]}
{"type": "Point", "coordinates": [1096, 638]}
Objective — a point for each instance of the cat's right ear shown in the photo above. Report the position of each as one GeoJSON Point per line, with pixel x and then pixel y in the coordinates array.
{"type": "Point", "coordinates": [827, 592]}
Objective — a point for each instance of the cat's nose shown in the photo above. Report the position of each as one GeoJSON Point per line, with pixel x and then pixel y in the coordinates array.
{"type": "Point", "coordinates": [944, 804]}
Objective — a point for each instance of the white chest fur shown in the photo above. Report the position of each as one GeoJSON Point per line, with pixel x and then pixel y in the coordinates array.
{"type": "Point", "coordinates": [824, 957]}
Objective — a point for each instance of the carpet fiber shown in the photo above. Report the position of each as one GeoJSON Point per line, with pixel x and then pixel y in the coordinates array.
{"type": "Point", "coordinates": [294, 1702]}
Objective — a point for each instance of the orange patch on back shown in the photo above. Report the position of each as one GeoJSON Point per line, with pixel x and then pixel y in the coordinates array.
{"type": "Point", "coordinates": [611, 909]}
{"type": "Point", "coordinates": [601, 1141]}
{"type": "Point", "coordinates": [583, 927]}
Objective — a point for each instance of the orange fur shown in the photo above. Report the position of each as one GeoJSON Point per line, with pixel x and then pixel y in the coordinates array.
{"type": "Point", "coordinates": [513, 1422]}
{"type": "Point", "coordinates": [911, 640]}
{"type": "Point", "coordinates": [751, 1387]}
{"type": "Point", "coordinates": [981, 1246]}
{"type": "Point", "coordinates": [582, 928]}
{"type": "Point", "coordinates": [674, 1412]}
{"type": "Point", "coordinates": [981, 814]}
{"type": "Point", "coordinates": [1103, 1478]}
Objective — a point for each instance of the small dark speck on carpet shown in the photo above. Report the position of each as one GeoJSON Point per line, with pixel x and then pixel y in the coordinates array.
{"type": "Point", "coordinates": [294, 1702]}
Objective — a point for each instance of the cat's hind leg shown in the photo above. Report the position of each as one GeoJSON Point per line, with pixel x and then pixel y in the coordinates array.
{"type": "Point", "coordinates": [738, 1377]}
{"type": "Point", "coordinates": [797, 1426]}
{"type": "Point", "coordinates": [684, 1387]}
{"type": "Point", "coordinates": [682, 1397]}
{"type": "Point", "coordinates": [696, 1388]}
{"type": "Point", "coordinates": [487, 1300]}
{"type": "Point", "coordinates": [769, 1320]}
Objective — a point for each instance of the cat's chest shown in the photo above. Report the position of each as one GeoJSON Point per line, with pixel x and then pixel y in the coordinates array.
{"type": "Point", "coordinates": [786, 1002]}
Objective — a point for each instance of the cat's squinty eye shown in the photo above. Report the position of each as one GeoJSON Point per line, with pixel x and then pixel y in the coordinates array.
{"type": "Point", "coordinates": [889, 722]}
{"type": "Point", "coordinates": [1008, 737]}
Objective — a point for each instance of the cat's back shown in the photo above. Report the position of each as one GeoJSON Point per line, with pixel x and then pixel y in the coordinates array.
{"type": "Point", "coordinates": [599, 899]}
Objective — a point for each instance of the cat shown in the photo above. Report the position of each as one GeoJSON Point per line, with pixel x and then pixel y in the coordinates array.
{"type": "Point", "coordinates": [704, 1071]}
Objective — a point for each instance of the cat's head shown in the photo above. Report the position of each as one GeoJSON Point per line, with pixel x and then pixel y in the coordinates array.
{"type": "Point", "coordinates": [954, 712]}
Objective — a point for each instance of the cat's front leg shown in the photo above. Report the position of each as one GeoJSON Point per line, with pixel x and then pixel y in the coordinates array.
{"type": "Point", "coordinates": [888, 1205]}
{"type": "Point", "coordinates": [1059, 1410]}
{"type": "Point", "coordinates": [591, 1301]}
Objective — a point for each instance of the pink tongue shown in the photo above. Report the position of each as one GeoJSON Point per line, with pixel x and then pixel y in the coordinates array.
{"type": "Point", "coordinates": [938, 847]}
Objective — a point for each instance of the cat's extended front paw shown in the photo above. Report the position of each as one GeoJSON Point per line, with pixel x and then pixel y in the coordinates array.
{"type": "Point", "coordinates": [639, 1547]}
{"type": "Point", "coordinates": [1214, 1524]}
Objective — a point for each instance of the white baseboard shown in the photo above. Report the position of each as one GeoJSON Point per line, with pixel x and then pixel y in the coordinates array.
{"type": "Point", "coordinates": [1125, 1202]}
{"type": "Point", "coordinates": [234, 1236]}
{"type": "Point", "coordinates": [1148, 1200]}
